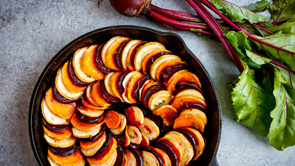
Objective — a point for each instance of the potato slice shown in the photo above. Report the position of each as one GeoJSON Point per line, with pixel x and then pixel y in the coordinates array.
{"type": "Point", "coordinates": [91, 150]}
{"type": "Point", "coordinates": [90, 112]}
{"type": "Point", "coordinates": [159, 61]}
{"type": "Point", "coordinates": [77, 66]}
{"type": "Point", "coordinates": [168, 113]}
{"type": "Point", "coordinates": [162, 97]}
{"type": "Point", "coordinates": [191, 92]}
{"type": "Point", "coordinates": [128, 48]}
{"type": "Point", "coordinates": [149, 159]}
{"type": "Point", "coordinates": [74, 159]}
{"type": "Point", "coordinates": [144, 51]}
{"type": "Point", "coordinates": [65, 111]}
{"type": "Point", "coordinates": [88, 64]}
{"type": "Point", "coordinates": [164, 157]}
{"type": "Point", "coordinates": [123, 121]}
{"type": "Point", "coordinates": [85, 134]}
{"type": "Point", "coordinates": [198, 139]}
{"type": "Point", "coordinates": [67, 133]}
{"type": "Point", "coordinates": [150, 58]}
{"type": "Point", "coordinates": [60, 143]}
{"type": "Point", "coordinates": [50, 117]}
{"type": "Point", "coordinates": [85, 126]}
{"type": "Point", "coordinates": [134, 134]}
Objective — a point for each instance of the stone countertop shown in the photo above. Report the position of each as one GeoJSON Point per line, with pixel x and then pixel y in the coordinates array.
{"type": "Point", "coordinates": [33, 31]}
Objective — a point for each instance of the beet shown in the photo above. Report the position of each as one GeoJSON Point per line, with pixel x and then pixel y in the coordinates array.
{"type": "Point", "coordinates": [120, 81]}
{"type": "Point", "coordinates": [137, 86]}
{"type": "Point", "coordinates": [130, 7]}
{"type": "Point", "coordinates": [120, 156]}
{"type": "Point", "coordinates": [94, 138]}
{"type": "Point", "coordinates": [73, 75]}
{"type": "Point", "coordinates": [54, 128]}
{"type": "Point", "coordinates": [108, 97]}
{"type": "Point", "coordinates": [149, 92]}
{"type": "Point", "coordinates": [104, 146]}
{"type": "Point", "coordinates": [153, 58]}
{"type": "Point", "coordinates": [57, 96]}
{"type": "Point", "coordinates": [118, 55]}
{"type": "Point", "coordinates": [169, 71]}
{"type": "Point", "coordinates": [63, 152]}
{"type": "Point", "coordinates": [98, 61]}
{"type": "Point", "coordinates": [186, 85]}
{"type": "Point", "coordinates": [151, 150]}
{"type": "Point", "coordinates": [193, 105]}
{"type": "Point", "coordinates": [169, 151]}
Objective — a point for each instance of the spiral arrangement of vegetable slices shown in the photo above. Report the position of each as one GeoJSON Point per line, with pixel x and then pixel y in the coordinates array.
{"type": "Point", "coordinates": [124, 102]}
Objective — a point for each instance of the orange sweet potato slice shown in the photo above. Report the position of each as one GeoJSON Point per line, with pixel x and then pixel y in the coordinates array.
{"type": "Point", "coordinates": [67, 133]}
{"type": "Point", "coordinates": [70, 86]}
{"type": "Point", "coordinates": [130, 62]}
{"type": "Point", "coordinates": [104, 155]}
{"type": "Point", "coordinates": [166, 64]}
{"type": "Point", "coordinates": [88, 64]}
{"type": "Point", "coordinates": [111, 51]}
{"type": "Point", "coordinates": [74, 159]}
{"type": "Point", "coordinates": [130, 86]}
{"type": "Point", "coordinates": [126, 139]}
{"type": "Point", "coordinates": [112, 119]}
{"type": "Point", "coordinates": [97, 96]}
{"type": "Point", "coordinates": [96, 141]}
{"type": "Point", "coordinates": [89, 105]}
{"type": "Point", "coordinates": [182, 75]}
{"type": "Point", "coordinates": [84, 126]}
{"type": "Point", "coordinates": [189, 121]}
{"type": "Point", "coordinates": [180, 101]}
{"type": "Point", "coordinates": [148, 57]}
{"type": "Point", "coordinates": [114, 84]}
{"type": "Point", "coordinates": [168, 113]}
{"type": "Point", "coordinates": [195, 112]}
{"type": "Point", "coordinates": [63, 110]}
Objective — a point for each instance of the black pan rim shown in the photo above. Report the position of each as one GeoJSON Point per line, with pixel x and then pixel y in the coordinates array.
{"type": "Point", "coordinates": [121, 27]}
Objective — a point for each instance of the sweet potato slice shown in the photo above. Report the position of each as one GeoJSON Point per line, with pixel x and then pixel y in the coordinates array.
{"type": "Point", "coordinates": [97, 97]}
{"type": "Point", "coordinates": [113, 83]}
{"type": "Point", "coordinates": [108, 52]}
{"type": "Point", "coordinates": [67, 133]}
{"type": "Point", "coordinates": [66, 111]}
{"type": "Point", "coordinates": [190, 92]}
{"type": "Point", "coordinates": [131, 87]}
{"type": "Point", "coordinates": [85, 134]}
{"type": "Point", "coordinates": [131, 55]}
{"type": "Point", "coordinates": [66, 79]}
{"type": "Point", "coordinates": [123, 122]}
{"type": "Point", "coordinates": [166, 64]}
{"type": "Point", "coordinates": [180, 101]}
{"type": "Point", "coordinates": [112, 119]}
{"type": "Point", "coordinates": [90, 112]}
{"type": "Point", "coordinates": [98, 139]}
{"type": "Point", "coordinates": [96, 145]}
{"type": "Point", "coordinates": [195, 112]}
{"type": "Point", "coordinates": [189, 121]}
{"type": "Point", "coordinates": [144, 51]}
{"type": "Point", "coordinates": [105, 154]}
{"type": "Point", "coordinates": [60, 143]}
{"type": "Point", "coordinates": [74, 159]}
{"type": "Point", "coordinates": [168, 113]}
{"type": "Point", "coordinates": [159, 61]}
{"type": "Point", "coordinates": [84, 126]}
{"type": "Point", "coordinates": [182, 75]}
{"type": "Point", "coordinates": [149, 58]}
{"type": "Point", "coordinates": [198, 139]}
{"type": "Point", "coordinates": [86, 103]}
{"type": "Point", "coordinates": [88, 64]}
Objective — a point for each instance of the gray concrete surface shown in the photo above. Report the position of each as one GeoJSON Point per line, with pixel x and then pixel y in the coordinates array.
{"type": "Point", "coordinates": [33, 31]}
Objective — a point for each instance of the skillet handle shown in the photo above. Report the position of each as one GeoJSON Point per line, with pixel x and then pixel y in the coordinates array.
{"type": "Point", "coordinates": [215, 162]}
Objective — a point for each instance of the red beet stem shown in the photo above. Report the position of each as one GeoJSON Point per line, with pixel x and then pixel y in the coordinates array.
{"type": "Point", "coordinates": [239, 29]}
{"type": "Point", "coordinates": [262, 28]}
{"type": "Point", "coordinates": [156, 16]}
{"type": "Point", "coordinates": [275, 62]}
{"type": "Point", "coordinates": [204, 13]}
{"type": "Point", "coordinates": [246, 28]}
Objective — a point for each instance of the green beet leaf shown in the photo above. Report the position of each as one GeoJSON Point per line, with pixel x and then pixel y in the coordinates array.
{"type": "Point", "coordinates": [282, 40]}
{"type": "Point", "coordinates": [252, 103]}
{"type": "Point", "coordinates": [236, 13]}
{"type": "Point", "coordinates": [281, 10]}
{"type": "Point", "coordinates": [282, 128]}
{"type": "Point", "coordinates": [258, 6]}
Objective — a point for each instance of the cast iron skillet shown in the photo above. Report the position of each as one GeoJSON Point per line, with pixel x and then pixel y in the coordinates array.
{"type": "Point", "coordinates": [171, 41]}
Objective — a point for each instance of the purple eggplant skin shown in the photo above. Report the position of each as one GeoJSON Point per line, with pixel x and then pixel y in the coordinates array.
{"type": "Point", "coordinates": [63, 152]}
{"type": "Point", "coordinates": [87, 119]}
{"type": "Point", "coordinates": [169, 151]}
{"type": "Point", "coordinates": [54, 128]}
{"type": "Point", "coordinates": [57, 96]}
